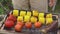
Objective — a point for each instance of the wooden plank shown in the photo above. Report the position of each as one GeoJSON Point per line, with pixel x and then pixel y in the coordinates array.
{"type": "Point", "coordinates": [9, 32]}
{"type": "Point", "coordinates": [1, 22]}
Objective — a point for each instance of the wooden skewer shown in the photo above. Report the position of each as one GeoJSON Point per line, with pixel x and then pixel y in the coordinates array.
{"type": "Point", "coordinates": [2, 22]}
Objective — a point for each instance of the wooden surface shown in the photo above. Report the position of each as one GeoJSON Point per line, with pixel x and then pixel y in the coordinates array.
{"type": "Point", "coordinates": [7, 32]}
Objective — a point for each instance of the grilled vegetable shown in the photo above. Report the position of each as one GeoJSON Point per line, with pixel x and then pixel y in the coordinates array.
{"type": "Point", "coordinates": [22, 13]}
{"type": "Point", "coordinates": [15, 12]}
{"type": "Point", "coordinates": [35, 13]}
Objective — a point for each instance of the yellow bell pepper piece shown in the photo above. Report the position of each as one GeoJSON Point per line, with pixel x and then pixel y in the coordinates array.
{"type": "Point", "coordinates": [26, 18]}
{"type": "Point", "coordinates": [49, 15]}
{"type": "Point", "coordinates": [49, 20]}
{"type": "Point", "coordinates": [20, 18]}
{"type": "Point", "coordinates": [22, 13]}
{"type": "Point", "coordinates": [29, 13]}
{"type": "Point", "coordinates": [15, 12]}
{"type": "Point", "coordinates": [42, 20]}
{"type": "Point", "coordinates": [41, 15]}
{"type": "Point", "coordinates": [35, 13]}
{"type": "Point", "coordinates": [33, 19]}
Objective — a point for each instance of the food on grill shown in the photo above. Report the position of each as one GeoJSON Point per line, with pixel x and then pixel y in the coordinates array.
{"type": "Point", "coordinates": [19, 18]}
{"type": "Point", "coordinates": [15, 12]}
{"type": "Point", "coordinates": [49, 15]}
{"type": "Point", "coordinates": [33, 19]}
{"type": "Point", "coordinates": [49, 20]}
{"type": "Point", "coordinates": [26, 18]}
{"type": "Point", "coordinates": [9, 24]}
{"type": "Point", "coordinates": [22, 13]}
{"type": "Point", "coordinates": [18, 28]}
{"type": "Point", "coordinates": [41, 15]}
{"type": "Point", "coordinates": [29, 13]}
{"type": "Point", "coordinates": [35, 13]}
{"type": "Point", "coordinates": [42, 20]}
{"type": "Point", "coordinates": [28, 25]}
{"type": "Point", "coordinates": [37, 24]}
